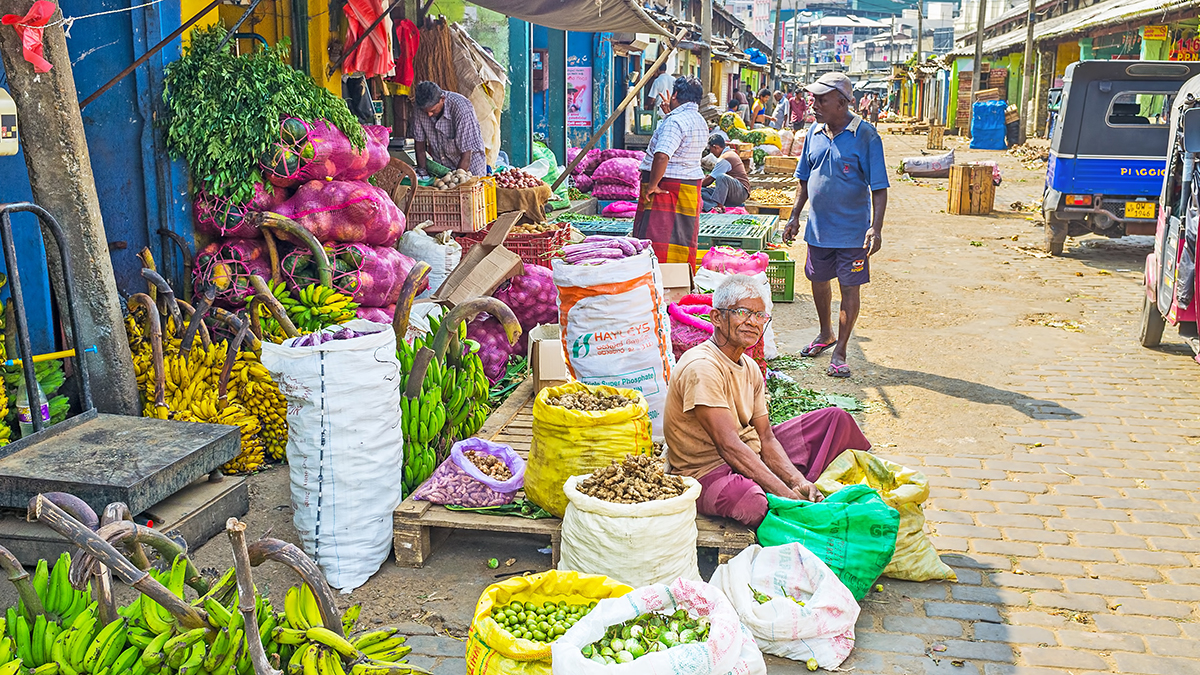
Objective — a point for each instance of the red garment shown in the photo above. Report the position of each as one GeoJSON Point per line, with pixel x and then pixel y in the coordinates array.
{"type": "Point", "coordinates": [374, 55]}
{"type": "Point", "coordinates": [408, 38]}
{"type": "Point", "coordinates": [812, 441]}
{"type": "Point", "coordinates": [29, 28]}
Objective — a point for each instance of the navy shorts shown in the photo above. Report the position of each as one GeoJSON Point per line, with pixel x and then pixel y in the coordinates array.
{"type": "Point", "coordinates": [850, 266]}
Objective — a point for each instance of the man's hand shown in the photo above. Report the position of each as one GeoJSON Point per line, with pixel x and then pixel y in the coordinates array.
{"type": "Point", "coordinates": [874, 241]}
{"type": "Point", "coordinates": [664, 103]}
{"type": "Point", "coordinates": [808, 492]}
{"type": "Point", "coordinates": [792, 230]}
{"type": "Point", "coordinates": [654, 189]}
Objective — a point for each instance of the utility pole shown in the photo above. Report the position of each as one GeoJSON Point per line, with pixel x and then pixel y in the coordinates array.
{"type": "Point", "coordinates": [775, 42]}
{"type": "Point", "coordinates": [1027, 82]}
{"type": "Point", "coordinates": [60, 173]}
{"type": "Point", "coordinates": [892, 44]}
{"type": "Point", "coordinates": [920, 27]}
{"type": "Point", "coordinates": [796, 39]}
{"type": "Point", "coordinates": [808, 58]}
{"type": "Point", "coordinates": [978, 67]}
{"type": "Point", "coordinates": [706, 13]}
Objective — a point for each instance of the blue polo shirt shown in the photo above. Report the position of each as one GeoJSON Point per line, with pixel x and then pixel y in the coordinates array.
{"type": "Point", "coordinates": [841, 173]}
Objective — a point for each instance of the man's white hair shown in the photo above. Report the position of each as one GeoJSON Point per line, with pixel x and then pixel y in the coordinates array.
{"type": "Point", "coordinates": [734, 289]}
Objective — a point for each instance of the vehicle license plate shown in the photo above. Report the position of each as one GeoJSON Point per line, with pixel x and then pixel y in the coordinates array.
{"type": "Point", "coordinates": [1139, 209]}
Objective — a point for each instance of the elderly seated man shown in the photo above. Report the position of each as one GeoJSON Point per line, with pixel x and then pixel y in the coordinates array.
{"type": "Point", "coordinates": [716, 423]}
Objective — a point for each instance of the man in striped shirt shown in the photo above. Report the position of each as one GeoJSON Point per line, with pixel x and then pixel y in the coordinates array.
{"type": "Point", "coordinates": [446, 130]}
{"type": "Point", "coordinates": [668, 211]}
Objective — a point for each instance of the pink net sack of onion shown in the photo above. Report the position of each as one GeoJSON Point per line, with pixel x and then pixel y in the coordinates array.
{"type": "Point", "coordinates": [226, 265]}
{"type": "Point", "coordinates": [730, 260]}
{"type": "Point", "coordinates": [620, 210]}
{"type": "Point", "coordinates": [370, 275]}
{"type": "Point", "coordinates": [533, 298]}
{"type": "Point", "coordinates": [617, 192]}
{"type": "Point", "coordinates": [224, 217]}
{"type": "Point", "coordinates": [318, 150]}
{"type": "Point", "coordinates": [690, 325]}
{"type": "Point", "coordinates": [377, 314]}
{"type": "Point", "coordinates": [460, 482]}
{"type": "Point", "coordinates": [618, 171]}
{"type": "Point", "coordinates": [345, 211]}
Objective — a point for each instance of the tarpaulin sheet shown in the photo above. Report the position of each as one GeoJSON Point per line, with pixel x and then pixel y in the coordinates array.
{"type": "Point", "coordinates": [584, 16]}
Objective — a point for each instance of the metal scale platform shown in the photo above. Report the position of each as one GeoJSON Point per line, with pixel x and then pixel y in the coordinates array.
{"type": "Point", "coordinates": [158, 468]}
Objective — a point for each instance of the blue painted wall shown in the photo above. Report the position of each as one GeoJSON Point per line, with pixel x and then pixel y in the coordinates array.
{"type": "Point", "coordinates": [541, 102]}
{"type": "Point", "coordinates": [140, 189]}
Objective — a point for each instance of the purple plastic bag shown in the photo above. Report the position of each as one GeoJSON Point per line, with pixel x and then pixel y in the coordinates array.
{"type": "Point", "coordinates": [374, 277]}
{"type": "Point", "coordinates": [345, 211]}
{"type": "Point", "coordinates": [222, 217]}
{"type": "Point", "coordinates": [377, 314]}
{"type": "Point", "coordinates": [227, 264]}
{"type": "Point", "coordinates": [318, 150]}
{"type": "Point", "coordinates": [458, 481]}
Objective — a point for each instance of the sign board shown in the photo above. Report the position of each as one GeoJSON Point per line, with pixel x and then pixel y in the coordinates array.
{"type": "Point", "coordinates": [579, 96]}
{"type": "Point", "coordinates": [1154, 32]}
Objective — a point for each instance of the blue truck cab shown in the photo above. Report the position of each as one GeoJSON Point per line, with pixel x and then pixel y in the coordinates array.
{"type": "Point", "coordinates": [1108, 148]}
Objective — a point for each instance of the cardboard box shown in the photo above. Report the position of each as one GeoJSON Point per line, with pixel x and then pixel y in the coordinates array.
{"type": "Point", "coordinates": [547, 359]}
{"type": "Point", "coordinates": [484, 267]}
{"type": "Point", "coordinates": [677, 280]}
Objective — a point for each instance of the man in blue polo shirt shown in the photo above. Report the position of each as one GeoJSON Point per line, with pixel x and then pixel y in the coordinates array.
{"type": "Point", "coordinates": [843, 174]}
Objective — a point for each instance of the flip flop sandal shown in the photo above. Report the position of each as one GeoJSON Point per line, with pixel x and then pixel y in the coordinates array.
{"type": "Point", "coordinates": [814, 348]}
{"type": "Point", "coordinates": [839, 370]}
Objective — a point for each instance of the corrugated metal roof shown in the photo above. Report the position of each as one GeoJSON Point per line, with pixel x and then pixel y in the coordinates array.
{"type": "Point", "coordinates": [1099, 14]}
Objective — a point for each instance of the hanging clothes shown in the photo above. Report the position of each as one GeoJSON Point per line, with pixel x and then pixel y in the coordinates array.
{"type": "Point", "coordinates": [30, 28]}
{"type": "Point", "coordinates": [408, 39]}
{"type": "Point", "coordinates": [374, 54]}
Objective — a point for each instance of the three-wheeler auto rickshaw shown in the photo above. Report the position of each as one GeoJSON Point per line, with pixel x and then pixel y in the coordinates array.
{"type": "Point", "coordinates": [1171, 280]}
{"type": "Point", "coordinates": [1108, 148]}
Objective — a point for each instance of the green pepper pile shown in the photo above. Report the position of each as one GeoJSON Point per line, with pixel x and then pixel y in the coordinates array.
{"type": "Point", "coordinates": [543, 623]}
{"type": "Point", "coordinates": [650, 632]}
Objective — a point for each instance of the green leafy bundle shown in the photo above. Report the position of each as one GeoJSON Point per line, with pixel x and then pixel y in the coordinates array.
{"type": "Point", "coordinates": [787, 399]}
{"type": "Point", "coordinates": [223, 111]}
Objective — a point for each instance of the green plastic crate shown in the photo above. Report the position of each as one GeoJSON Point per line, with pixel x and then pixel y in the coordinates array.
{"type": "Point", "coordinates": [718, 229]}
{"type": "Point", "coordinates": [781, 272]}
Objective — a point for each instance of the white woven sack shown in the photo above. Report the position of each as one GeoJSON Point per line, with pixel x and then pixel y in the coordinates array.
{"type": "Point", "coordinates": [442, 258]}
{"type": "Point", "coordinates": [730, 649]}
{"type": "Point", "coordinates": [344, 449]}
{"type": "Point", "coordinates": [821, 629]}
{"type": "Point", "coordinates": [636, 544]}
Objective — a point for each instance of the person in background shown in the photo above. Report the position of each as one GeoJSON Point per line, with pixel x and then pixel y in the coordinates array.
{"type": "Point", "coordinates": [446, 130]}
{"type": "Point", "coordinates": [668, 212]}
{"type": "Point", "coordinates": [844, 177]}
{"type": "Point", "coordinates": [782, 111]}
{"type": "Point", "coordinates": [873, 109]}
{"type": "Point", "coordinates": [727, 184]}
{"type": "Point", "coordinates": [736, 99]}
{"type": "Point", "coordinates": [717, 426]}
{"type": "Point", "coordinates": [759, 113]}
{"type": "Point", "coordinates": [660, 88]}
{"type": "Point", "coordinates": [798, 110]}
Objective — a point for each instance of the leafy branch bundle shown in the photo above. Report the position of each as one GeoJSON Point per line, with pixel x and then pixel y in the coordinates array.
{"type": "Point", "coordinates": [223, 111]}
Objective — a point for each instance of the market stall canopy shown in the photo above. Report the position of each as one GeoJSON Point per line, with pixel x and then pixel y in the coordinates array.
{"type": "Point", "coordinates": [584, 16]}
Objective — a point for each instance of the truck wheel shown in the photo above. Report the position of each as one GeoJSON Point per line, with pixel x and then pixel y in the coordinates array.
{"type": "Point", "coordinates": [1056, 235]}
{"type": "Point", "coordinates": [1153, 323]}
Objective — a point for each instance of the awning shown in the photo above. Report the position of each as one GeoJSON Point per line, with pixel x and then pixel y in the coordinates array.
{"type": "Point", "coordinates": [584, 16]}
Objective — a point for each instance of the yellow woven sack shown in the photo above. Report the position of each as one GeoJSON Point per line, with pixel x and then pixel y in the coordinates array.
{"type": "Point", "coordinates": [493, 651]}
{"type": "Point", "coordinates": [571, 442]}
{"type": "Point", "coordinates": [771, 137]}
{"type": "Point", "coordinates": [903, 489]}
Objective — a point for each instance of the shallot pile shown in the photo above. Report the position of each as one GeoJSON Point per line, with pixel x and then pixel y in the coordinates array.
{"type": "Point", "coordinates": [452, 179]}
{"type": "Point", "coordinates": [516, 179]}
{"type": "Point", "coordinates": [489, 464]}
{"type": "Point", "coordinates": [637, 479]}
{"type": "Point", "coordinates": [600, 250]}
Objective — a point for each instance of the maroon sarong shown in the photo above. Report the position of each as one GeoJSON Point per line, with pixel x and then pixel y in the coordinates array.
{"type": "Point", "coordinates": [812, 441]}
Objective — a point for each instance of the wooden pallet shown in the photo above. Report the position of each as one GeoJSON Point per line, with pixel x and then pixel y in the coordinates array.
{"type": "Point", "coordinates": [971, 191]}
{"type": "Point", "coordinates": [419, 527]}
{"type": "Point", "coordinates": [934, 140]}
{"type": "Point", "coordinates": [768, 181]}
{"type": "Point", "coordinates": [784, 212]}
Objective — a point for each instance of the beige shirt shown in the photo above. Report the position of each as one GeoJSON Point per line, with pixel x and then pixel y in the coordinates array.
{"type": "Point", "coordinates": [705, 376]}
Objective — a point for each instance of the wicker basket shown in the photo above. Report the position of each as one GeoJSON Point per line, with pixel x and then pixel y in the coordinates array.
{"type": "Point", "coordinates": [460, 209]}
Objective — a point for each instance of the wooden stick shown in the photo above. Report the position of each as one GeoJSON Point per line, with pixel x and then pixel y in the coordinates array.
{"type": "Point", "coordinates": [205, 338]}
{"type": "Point", "coordinates": [241, 562]}
{"type": "Point", "coordinates": [44, 511]}
{"type": "Point", "coordinates": [641, 83]}
{"type": "Point", "coordinates": [282, 552]}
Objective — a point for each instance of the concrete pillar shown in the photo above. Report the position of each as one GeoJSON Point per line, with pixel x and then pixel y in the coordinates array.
{"type": "Point", "coordinates": [1047, 63]}
{"type": "Point", "coordinates": [520, 128]}
{"type": "Point", "coordinates": [557, 95]}
{"type": "Point", "coordinates": [60, 174]}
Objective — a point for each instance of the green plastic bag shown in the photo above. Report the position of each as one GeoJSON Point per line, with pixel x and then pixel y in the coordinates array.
{"type": "Point", "coordinates": [853, 531]}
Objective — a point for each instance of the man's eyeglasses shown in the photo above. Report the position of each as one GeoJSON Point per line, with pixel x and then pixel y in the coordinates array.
{"type": "Point", "coordinates": [743, 314]}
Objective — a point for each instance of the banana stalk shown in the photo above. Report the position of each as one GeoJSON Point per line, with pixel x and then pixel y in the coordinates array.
{"type": "Point", "coordinates": [272, 255]}
{"type": "Point", "coordinates": [416, 279]}
{"type": "Point", "coordinates": [168, 297]}
{"type": "Point", "coordinates": [127, 534]}
{"type": "Point", "coordinates": [282, 552]}
{"type": "Point", "coordinates": [20, 578]}
{"type": "Point", "coordinates": [154, 330]}
{"type": "Point", "coordinates": [241, 564]}
{"type": "Point", "coordinates": [147, 259]}
{"type": "Point", "coordinates": [76, 507]}
{"type": "Point", "coordinates": [235, 345]}
{"type": "Point", "coordinates": [186, 251]}
{"type": "Point", "coordinates": [466, 311]}
{"type": "Point", "coordinates": [235, 322]}
{"type": "Point", "coordinates": [195, 324]}
{"type": "Point", "coordinates": [46, 512]}
{"type": "Point", "coordinates": [263, 294]}
{"type": "Point", "coordinates": [273, 221]}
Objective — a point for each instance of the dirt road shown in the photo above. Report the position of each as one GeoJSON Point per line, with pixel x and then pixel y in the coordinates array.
{"type": "Point", "coordinates": [1063, 456]}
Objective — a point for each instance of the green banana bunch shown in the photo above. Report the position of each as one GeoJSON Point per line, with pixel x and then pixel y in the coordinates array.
{"type": "Point", "coordinates": [315, 307]}
{"type": "Point", "coordinates": [62, 602]}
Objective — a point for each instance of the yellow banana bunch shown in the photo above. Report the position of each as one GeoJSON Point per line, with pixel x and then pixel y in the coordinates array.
{"type": "Point", "coordinates": [257, 391]}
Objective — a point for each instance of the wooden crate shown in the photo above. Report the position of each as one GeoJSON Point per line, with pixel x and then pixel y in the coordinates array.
{"type": "Point", "coordinates": [784, 212]}
{"type": "Point", "coordinates": [780, 165]}
{"type": "Point", "coordinates": [935, 139]}
{"type": "Point", "coordinates": [418, 527]}
{"type": "Point", "coordinates": [971, 191]}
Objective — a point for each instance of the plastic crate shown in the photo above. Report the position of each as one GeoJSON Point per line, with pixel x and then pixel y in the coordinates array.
{"type": "Point", "coordinates": [462, 209]}
{"type": "Point", "coordinates": [534, 249]}
{"type": "Point", "coordinates": [617, 227]}
{"type": "Point", "coordinates": [721, 229]}
{"type": "Point", "coordinates": [781, 272]}
{"type": "Point", "coordinates": [489, 196]}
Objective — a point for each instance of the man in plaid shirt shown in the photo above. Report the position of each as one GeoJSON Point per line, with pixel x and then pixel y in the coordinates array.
{"type": "Point", "coordinates": [446, 130]}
